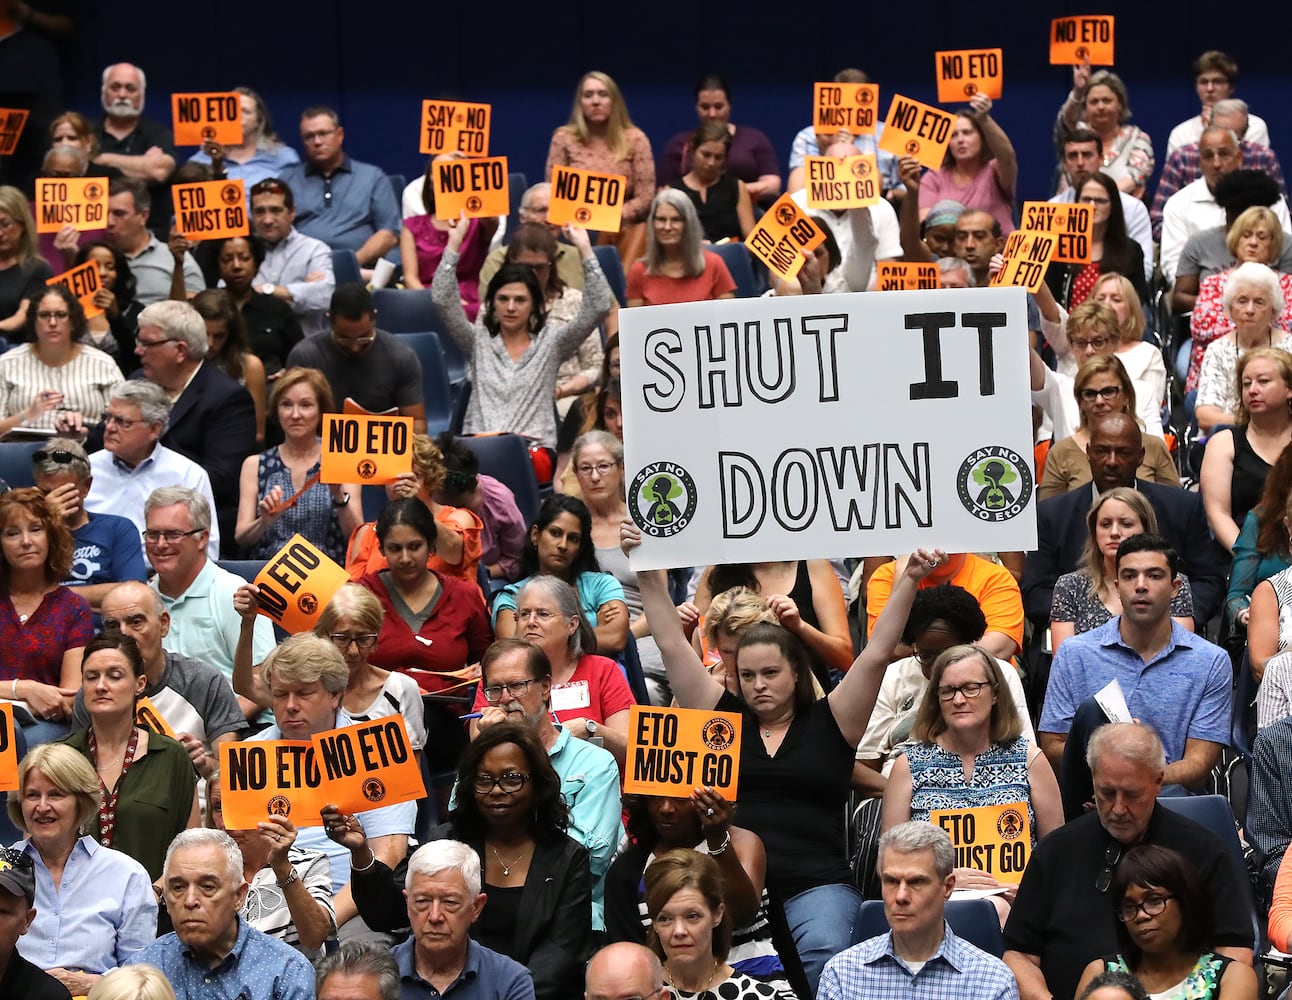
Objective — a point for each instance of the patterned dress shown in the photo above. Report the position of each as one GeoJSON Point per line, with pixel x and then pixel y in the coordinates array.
{"type": "Point", "coordinates": [313, 514]}
{"type": "Point", "coordinates": [1203, 983]}
{"type": "Point", "coordinates": [999, 777]}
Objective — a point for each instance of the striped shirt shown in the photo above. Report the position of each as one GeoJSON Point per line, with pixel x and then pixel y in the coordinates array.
{"type": "Point", "coordinates": [265, 907]}
{"type": "Point", "coordinates": [85, 383]}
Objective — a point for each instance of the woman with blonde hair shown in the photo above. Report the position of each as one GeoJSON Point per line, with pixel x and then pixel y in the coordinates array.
{"type": "Point", "coordinates": [729, 614]}
{"type": "Point", "coordinates": [23, 272]}
{"type": "Point", "coordinates": [1141, 358]}
{"type": "Point", "coordinates": [676, 267]}
{"type": "Point", "coordinates": [260, 154]}
{"type": "Point", "coordinates": [133, 982]}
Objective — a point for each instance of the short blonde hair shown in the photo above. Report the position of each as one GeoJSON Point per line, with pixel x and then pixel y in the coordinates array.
{"type": "Point", "coordinates": [305, 659]}
{"type": "Point", "coordinates": [733, 611]}
{"type": "Point", "coordinates": [316, 380]}
{"type": "Point", "coordinates": [66, 769]}
{"type": "Point", "coordinates": [1257, 215]}
{"type": "Point", "coordinates": [428, 463]}
{"type": "Point", "coordinates": [132, 982]}
{"type": "Point", "coordinates": [1131, 331]}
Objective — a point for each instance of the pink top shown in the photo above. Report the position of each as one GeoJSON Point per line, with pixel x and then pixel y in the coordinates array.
{"type": "Point", "coordinates": [638, 165]}
{"type": "Point", "coordinates": [658, 290]}
{"type": "Point", "coordinates": [430, 243]}
{"type": "Point", "coordinates": [983, 193]}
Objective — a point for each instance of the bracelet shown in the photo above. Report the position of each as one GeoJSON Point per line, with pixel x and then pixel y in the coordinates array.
{"type": "Point", "coordinates": [372, 855]}
{"type": "Point", "coordinates": [721, 848]}
{"type": "Point", "coordinates": [13, 689]}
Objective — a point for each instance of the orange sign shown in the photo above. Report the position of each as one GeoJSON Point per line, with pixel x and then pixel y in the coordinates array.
{"type": "Point", "coordinates": [148, 717]}
{"type": "Point", "coordinates": [366, 449]}
{"type": "Point", "coordinates": [996, 840]}
{"type": "Point", "coordinates": [202, 118]}
{"type": "Point", "coordinates": [1072, 223]}
{"type": "Point", "coordinates": [12, 121]}
{"type": "Point", "coordinates": [673, 751]}
{"type": "Point", "coordinates": [852, 182]}
{"type": "Point", "coordinates": [210, 210]}
{"type": "Point", "coordinates": [918, 130]}
{"type": "Point", "coordinates": [1027, 255]}
{"type": "Point", "coordinates": [79, 202]}
{"type": "Point", "coordinates": [8, 750]}
{"type": "Point", "coordinates": [82, 281]}
{"type": "Point", "coordinates": [478, 188]}
{"type": "Point", "coordinates": [781, 235]}
{"type": "Point", "coordinates": [844, 107]}
{"type": "Point", "coordinates": [455, 127]}
{"type": "Point", "coordinates": [965, 72]}
{"type": "Point", "coordinates": [296, 584]}
{"type": "Point", "coordinates": [898, 276]}
{"type": "Point", "coordinates": [1076, 40]}
{"type": "Point", "coordinates": [586, 198]}
{"type": "Point", "coordinates": [369, 765]}
{"type": "Point", "coordinates": [262, 778]}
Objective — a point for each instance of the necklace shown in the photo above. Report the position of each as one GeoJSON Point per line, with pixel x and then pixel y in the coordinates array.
{"type": "Point", "coordinates": [506, 865]}
{"type": "Point", "coordinates": [700, 988]}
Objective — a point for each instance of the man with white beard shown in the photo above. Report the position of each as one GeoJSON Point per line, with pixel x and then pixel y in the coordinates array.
{"type": "Point", "coordinates": [133, 144]}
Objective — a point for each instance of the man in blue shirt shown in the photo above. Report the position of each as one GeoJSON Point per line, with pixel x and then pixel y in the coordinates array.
{"type": "Point", "coordinates": [213, 954]}
{"type": "Point", "coordinates": [347, 204]}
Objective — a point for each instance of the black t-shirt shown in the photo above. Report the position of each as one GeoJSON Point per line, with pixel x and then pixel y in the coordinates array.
{"type": "Point", "coordinates": [1061, 916]}
{"type": "Point", "coordinates": [794, 801]}
{"type": "Point", "coordinates": [272, 329]}
{"type": "Point", "coordinates": [147, 133]}
{"type": "Point", "coordinates": [22, 979]}
{"type": "Point", "coordinates": [18, 283]}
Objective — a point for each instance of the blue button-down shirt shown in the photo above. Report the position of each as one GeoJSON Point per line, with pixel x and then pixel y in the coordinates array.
{"type": "Point", "coordinates": [345, 209]}
{"type": "Point", "coordinates": [956, 971]}
{"type": "Point", "coordinates": [258, 968]}
{"type": "Point", "coordinates": [485, 975]}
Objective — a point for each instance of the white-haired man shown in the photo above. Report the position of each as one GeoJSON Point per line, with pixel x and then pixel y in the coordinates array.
{"type": "Point", "coordinates": [131, 143]}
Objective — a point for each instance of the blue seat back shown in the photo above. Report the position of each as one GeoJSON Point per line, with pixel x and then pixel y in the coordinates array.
{"type": "Point", "coordinates": [974, 920]}
{"type": "Point", "coordinates": [345, 267]}
{"type": "Point", "coordinates": [736, 257]}
{"type": "Point", "coordinates": [15, 462]}
{"type": "Point", "coordinates": [436, 394]}
{"type": "Point", "coordinates": [516, 185]}
{"type": "Point", "coordinates": [411, 310]}
{"type": "Point", "coordinates": [506, 458]}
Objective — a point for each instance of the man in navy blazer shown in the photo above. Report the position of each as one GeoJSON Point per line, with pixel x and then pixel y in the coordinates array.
{"type": "Point", "coordinates": [1115, 451]}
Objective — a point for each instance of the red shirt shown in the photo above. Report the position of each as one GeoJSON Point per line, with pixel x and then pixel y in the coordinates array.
{"type": "Point", "coordinates": [597, 686]}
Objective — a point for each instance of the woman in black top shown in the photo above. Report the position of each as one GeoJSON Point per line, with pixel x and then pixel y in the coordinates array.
{"type": "Point", "coordinates": [721, 200]}
{"type": "Point", "coordinates": [272, 328]}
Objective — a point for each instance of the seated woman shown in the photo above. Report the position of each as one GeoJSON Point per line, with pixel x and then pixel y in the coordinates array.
{"type": "Point", "coordinates": [1262, 547]}
{"type": "Point", "coordinates": [502, 528]}
{"type": "Point", "coordinates": [23, 272]}
{"type": "Point", "coordinates": [1112, 251]}
{"type": "Point", "coordinates": [1100, 103]}
{"type": "Point", "coordinates": [289, 888]}
{"type": "Point", "coordinates": [114, 330]}
{"type": "Point", "coordinates": [94, 906]}
{"type": "Point", "coordinates": [228, 348]}
{"type": "Point", "coordinates": [54, 373]}
{"type": "Point", "coordinates": [148, 782]}
{"type": "Point", "coordinates": [1087, 598]}
{"type": "Point", "coordinates": [659, 826]}
{"type": "Point", "coordinates": [515, 351]}
{"type": "Point", "coordinates": [1269, 623]}
{"type": "Point", "coordinates": [1101, 387]}
{"type": "Point", "coordinates": [729, 615]}
{"type": "Point", "coordinates": [261, 154]}
{"type": "Point", "coordinates": [1141, 358]}
{"type": "Point", "coordinates": [980, 168]}
{"type": "Point", "coordinates": [968, 751]}
{"type": "Point", "coordinates": [722, 202]}
{"type": "Point", "coordinates": [458, 538]}
{"type": "Point", "coordinates": [604, 414]}
{"type": "Point", "coordinates": [1256, 235]}
{"type": "Point", "coordinates": [279, 492]}
{"type": "Point", "coordinates": [676, 267]}
{"type": "Point", "coordinates": [1165, 927]}
{"type": "Point", "coordinates": [272, 328]}
{"type": "Point", "coordinates": [43, 625]}
{"type": "Point", "coordinates": [509, 811]}
{"type": "Point", "coordinates": [1253, 298]}
{"type": "Point", "coordinates": [1238, 458]}
{"type": "Point", "coordinates": [560, 545]}
{"type": "Point", "coordinates": [423, 238]}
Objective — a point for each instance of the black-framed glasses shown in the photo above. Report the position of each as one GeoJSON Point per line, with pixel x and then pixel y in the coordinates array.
{"type": "Point", "coordinates": [511, 781]}
{"type": "Point", "coordinates": [56, 455]}
{"type": "Point", "coordinates": [169, 537]}
{"type": "Point", "coordinates": [517, 689]}
{"type": "Point", "coordinates": [53, 317]}
{"type": "Point", "coordinates": [1112, 855]}
{"type": "Point", "coordinates": [364, 640]}
{"type": "Point", "coordinates": [1107, 392]}
{"type": "Point", "coordinates": [145, 344]}
{"type": "Point", "coordinates": [970, 690]}
{"type": "Point", "coordinates": [1151, 905]}
{"type": "Point", "coordinates": [1080, 343]}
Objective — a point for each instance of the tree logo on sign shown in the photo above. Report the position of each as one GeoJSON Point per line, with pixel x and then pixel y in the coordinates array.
{"type": "Point", "coordinates": [230, 194]}
{"type": "Point", "coordinates": [374, 790]}
{"type": "Point", "coordinates": [307, 603]}
{"type": "Point", "coordinates": [366, 469]}
{"type": "Point", "coordinates": [994, 483]}
{"type": "Point", "coordinates": [785, 215]}
{"type": "Point", "coordinates": [1010, 824]}
{"type": "Point", "coordinates": [662, 499]}
{"type": "Point", "coordinates": [280, 805]}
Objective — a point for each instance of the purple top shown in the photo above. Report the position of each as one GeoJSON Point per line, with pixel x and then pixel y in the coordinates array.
{"type": "Point", "coordinates": [983, 193]}
{"type": "Point", "coordinates": [503, 538]}
{"type": "Point", "coordinates": [430, 243]}
{"type": "Point", "coordinates": [750, 158]}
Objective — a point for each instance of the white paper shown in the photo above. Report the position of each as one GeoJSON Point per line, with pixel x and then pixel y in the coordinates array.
{"type": "Point", "coordinates": [1113, 702]}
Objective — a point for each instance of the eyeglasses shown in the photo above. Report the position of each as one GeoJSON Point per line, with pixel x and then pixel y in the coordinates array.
{"type": "Point", "coordinates": [1096, 201]}
{"type": "Point", "coordinates": [322, 133]}
{"type": "Point", "coordinates": [58, 456]}
{"type": "Point", "coordinates": [364, 640]}
{"type": "Point", "coordinates": [971, 690]}
{"type": "Point", "coordinates": [1112, 855]}
{"type": "Point", "coordinates": [1107, 392]}
{"type": "Point", "coordinates": [53, 317]}
{"type": "Point", "coordinates": [169, 537]}
{"type": "Point", "coordinates": [145, 344]}
{"type": "Point", "coordinates": [512, 781]}
{"type": "Point", "coordinates": [1098, 343]}
{"type": "Point", "coordinates": [601, 469]}
{"type": "Point", "coordinates": [517, 689]}
{"type": "Point", "coordinates": [1151, 905]}
{"type": "Point", "coordinates": [125, 423]}
{"type": "Point", "coordinates": [363, 341]}
{"type": "Point", "coordinates": [538, 614]}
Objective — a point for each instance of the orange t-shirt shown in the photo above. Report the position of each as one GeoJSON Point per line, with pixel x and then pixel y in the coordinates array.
{"type": "Point", "coordinates": [363, 554]}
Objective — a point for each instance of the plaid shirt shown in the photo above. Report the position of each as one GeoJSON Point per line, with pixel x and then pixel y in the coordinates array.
{"type": "Point", "coordinates": [957, 971]}
{"type": "Point", "coordinates": [1184, 165]}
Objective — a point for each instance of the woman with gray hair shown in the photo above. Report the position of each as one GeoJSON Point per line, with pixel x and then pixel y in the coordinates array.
{"type": "Point", "coordinates": [676, 267]}
{"type": "Point", "coordinates": [1099, 102]}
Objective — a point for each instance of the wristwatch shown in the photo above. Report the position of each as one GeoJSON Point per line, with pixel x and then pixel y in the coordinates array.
{"type": "Point", "coordinates": [268, 288]}
{"type": "Point", "coordinates": [283, 883]}
{"type": "Point", "coordinates": [592, 727]}
{"type": "Point", "coordinates": [341, 501]}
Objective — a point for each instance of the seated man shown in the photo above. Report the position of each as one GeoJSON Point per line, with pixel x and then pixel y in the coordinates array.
{"type": "Point", "coordinates": [347, 204]}
{"type": "Point", "coordinates": [1269, 803]}
{"type": "Point", "coordinates": [1215, 76]}
{"type": "Point", "coordinates": [18, 977]}
{"type": "Point", "coordinates": [297, 268]}
{"type": "Point", "coordinates": [153, 265]}
{"type": "Point", "coordinates": [133, 462]}
{"type": "Point", "coordinates": [213, 951]}
{"type": "Point", "coordinates": [920, 957]}
{"type": "Point", "coordinates": [625, 969]}
{"type": "Point", "coordinates": [369, 366]}
{"type": "Point", "coordinates": [806, 144]}
{"type": "Point", "coordinates": [131, 144]}
{"type": "Point", "coordinates": [107, 546]}
{"type": "Point", "coordinates": [533, 209]}
{"type": "Point", "coordinates": [1063, 916]}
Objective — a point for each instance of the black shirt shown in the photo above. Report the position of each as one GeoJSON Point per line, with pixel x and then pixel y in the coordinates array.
{"type": "Point", "coordinates": [19, 283]}
{"type": "Point", "coordinates": [147, 133]}
{"type": "Point", "coordinates": [272, 330]}
{"type": "Point", "coordinates": [22, 979]}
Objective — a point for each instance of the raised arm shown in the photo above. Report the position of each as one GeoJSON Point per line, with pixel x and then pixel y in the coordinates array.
{"type": "Point", "coordinates": [908, 213]}
{"type": "Point", "coordinates": [445, 293]}
{"type": "Point", "coordinates": [596, 298]}
{"type": "Point", "coordinates": [997, 141]}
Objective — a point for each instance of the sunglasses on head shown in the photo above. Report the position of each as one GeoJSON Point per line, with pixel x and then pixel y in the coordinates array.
{"type": "Point", "coordinates": [56, 455]}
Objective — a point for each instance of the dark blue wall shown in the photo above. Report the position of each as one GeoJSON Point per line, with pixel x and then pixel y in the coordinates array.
{"type": "Point", "coordinates": [375, 61]}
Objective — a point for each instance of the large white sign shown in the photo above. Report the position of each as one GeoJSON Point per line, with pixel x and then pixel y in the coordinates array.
{"type": "Point", "coordinates": [828, 425]}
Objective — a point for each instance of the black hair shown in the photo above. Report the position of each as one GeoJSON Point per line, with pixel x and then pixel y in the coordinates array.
{"type": "Point", "coordinates": [75, 311]}
{"type": "Point", "coordinates": [1085, 135]}
{"type": "Point", "coordinates": [1149, 542]}
{"type": "Point", "coordinates": [832, 253]}
{"type": "Point", "coordinates": [712, 81]}
{"type": "Point", "coordinates": [124, 290]}
{"type": "Point", "coordinates": [951, 604]}
{"type": "Point", "coordinates": [1151, 866]}
{"type": "Point", "coordinates": [461, 467]}
{"type": "Point", "coordinates": [254, 242]}
{"type": "Point", "coordinates": [725, 576]}
{"type": "Point", "coordinates": [272, 185]}
{"type": "Point", "coordinates": [585, 560]}
{"type": "Point", "coordinates": [510, 274]}
{"type": "Point", "coordinates": [351, 300]}
{"type": "Point", "coordinates": [1240, 190]}
{"type": "Point", "coordinates": [1117, 242]}
{"type": "Point", "coordinates": [550, 818]}
{"type": "Point", "coordinates": [1115, 979]}
{"type": "Point", "coordinates": [410, 511]}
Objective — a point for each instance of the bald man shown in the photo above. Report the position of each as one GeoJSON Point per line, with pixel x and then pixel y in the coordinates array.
{"type": "Point", "coordinates": [623, 970]}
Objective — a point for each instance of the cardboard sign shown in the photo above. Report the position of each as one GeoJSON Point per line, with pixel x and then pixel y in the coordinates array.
{"type": "Point", "coordinates": [1074, 40]}
{"type": "Point", "coordinates": [369, 765]}
{"type": "Point", "coordinates": [1027, 255]}
{"type": "Point", "coordinates": [1072, 223]}
{"type": "Point", "coordinates": [965, 72]}
{"type": "Point", "coordinates": [296, 584]}
{"type": "Point", "coordinates": [82, 281]}
{"type": "Point", "coordinates": [844, 107]}
{"type": "Point", "coordinates": [262, 778]}
{"type": "Point", "coordinates": [211, 210]}
{"type": "Point", "coordinates": [478, 188]}
{"type": "Point", "coordinates": [12, 122]}
{"type": "Point", "coordinates": [79, 202]}
{"type": "Point", "coordinates": [673, 751]}
{"type": "Point", "coordinates": [898, 276]}
{"type": "Point", "coordinates": [366, 449]}
{"type": "Point", "coordinates": [455, 127]}
{"type": "Point", "coordinates": [781, 236]}
{"type": "Point", "coordinates": [852, 182]}
{"type": "Point", "coordinates": [202, 118]}
{"type": "Point", "coordinates": [918, 130]}
{"type": "Point", "coordinates": [148, 717]}
{"type": "Point", "coordinates": [992, 839]}
{"type": "Point", "coordinates": [743, 444]}
{"type": "Point", "coordinates": [8, 749]}
{"type": "Point", "coordinates": [586, 198]}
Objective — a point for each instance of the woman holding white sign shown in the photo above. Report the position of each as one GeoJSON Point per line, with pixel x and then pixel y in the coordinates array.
{"type": "Point", "coordinates": [796, 753]}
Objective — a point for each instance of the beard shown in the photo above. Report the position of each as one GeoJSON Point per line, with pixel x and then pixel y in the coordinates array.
{"type": "Point", "coordinates": [122, 107]}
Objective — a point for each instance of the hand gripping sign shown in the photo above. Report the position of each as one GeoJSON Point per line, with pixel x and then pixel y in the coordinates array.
{"type": "Point", "coordinates": [82, 281]}
{"type": "Point", "coordinates": [211, 210]}
{"type": "Point", "coordinates": [850, 182]}
{"type": "Point", "coordinates": [1076, 40]}
{"type": "Point", "coordinates": [844, 107]}
{"type": "Point", "coordinates": [1073, 224]}
{"type": "Point", "coordinates": [996, 840]}
{"type": "Point", "coordinates": [296, 584]}
{"type": "Point", "coordinates": [673, 750]}
{"type": "Point", "coordinates": [203, 118]}
{"type": "Point", "coordinates": [782, 235]}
